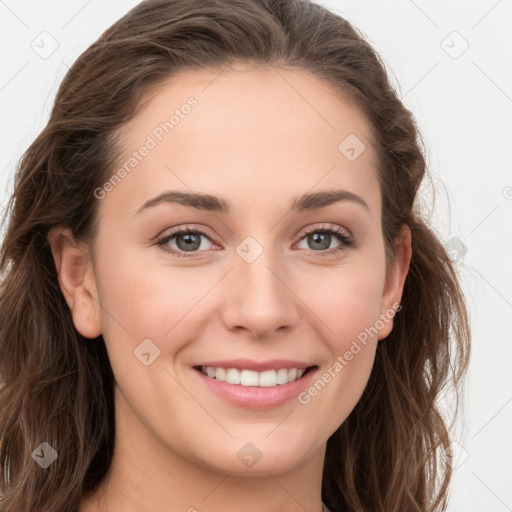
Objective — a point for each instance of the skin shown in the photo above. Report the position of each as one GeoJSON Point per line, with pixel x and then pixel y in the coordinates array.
{"type": "Point", "coordinates": [259, 138]}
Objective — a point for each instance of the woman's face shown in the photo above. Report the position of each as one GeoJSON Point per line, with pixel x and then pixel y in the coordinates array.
{"type": "Point", "coordinates": [283, 269]}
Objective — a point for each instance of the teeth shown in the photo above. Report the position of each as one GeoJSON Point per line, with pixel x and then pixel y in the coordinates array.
{"type": "Point", "coordinates": [266, 379]}
{"type": "Point", "coordinates": [232, 376]}
{"type": "Point", "coordinates": [248, 378]}
{"type": "Point", "coordinates": [220, 374]}
{"type": "Point", "coordinates": [282, 376]}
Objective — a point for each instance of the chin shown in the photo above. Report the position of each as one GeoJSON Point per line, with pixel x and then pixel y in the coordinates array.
{"type": "Point", "coordinates": [258, 457]}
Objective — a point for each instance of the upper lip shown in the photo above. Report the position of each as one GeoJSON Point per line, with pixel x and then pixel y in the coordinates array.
{"type": "Point", "coordinates": [258, 366]}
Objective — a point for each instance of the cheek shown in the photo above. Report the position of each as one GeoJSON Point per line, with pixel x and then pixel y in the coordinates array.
{"type": "Point", "coordinates": [346, 300]}
{"type": "Point", "coordinates": [348, 305]}
{"type": "Point", "coordinates": [148, 299]}
{"type": "Point", "coordinates": [141, 302]}
{"type": "Point", "coordinates": [350, 315]}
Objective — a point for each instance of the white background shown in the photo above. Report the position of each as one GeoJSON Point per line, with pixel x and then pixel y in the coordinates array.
{"type": "Point", "coordinates": [463, 105]}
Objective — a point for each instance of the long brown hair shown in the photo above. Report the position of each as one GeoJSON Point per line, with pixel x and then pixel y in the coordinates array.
{"type": "Point", "coordinates": [58, 386]}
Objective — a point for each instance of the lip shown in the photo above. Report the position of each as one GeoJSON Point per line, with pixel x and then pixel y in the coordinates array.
{"type": "Point", "coordinates": [255, 397]}
{"type": "Point", "coordinates": [257, 366]}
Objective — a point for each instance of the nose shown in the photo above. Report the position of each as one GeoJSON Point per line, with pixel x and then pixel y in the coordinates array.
{"type": "Point", "coordinates": [260, 298]}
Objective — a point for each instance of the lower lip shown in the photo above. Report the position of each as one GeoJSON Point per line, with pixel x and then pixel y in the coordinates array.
{"type": "Point", "coordinates": [255, 397]}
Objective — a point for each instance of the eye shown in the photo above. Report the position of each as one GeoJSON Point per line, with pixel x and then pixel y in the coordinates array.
{"type": "Point", "coordinates": [181, 241]}
{"type": "Point", "coordinates": [321, 237]}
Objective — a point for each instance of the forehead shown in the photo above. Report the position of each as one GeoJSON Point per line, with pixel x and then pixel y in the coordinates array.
{"type": "Point", "coordinates": [248, 97]}
{"type": "Point", "coordinates": [254, 129]}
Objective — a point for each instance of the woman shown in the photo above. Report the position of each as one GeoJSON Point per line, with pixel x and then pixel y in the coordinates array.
{"type": "Point", "coordinates": [218, 291]}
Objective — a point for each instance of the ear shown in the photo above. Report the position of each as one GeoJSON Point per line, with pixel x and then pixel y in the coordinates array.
{"type": "Point", "coordinates": [77, 280]}
{"type": "Point", "coordinates": [395, 279]}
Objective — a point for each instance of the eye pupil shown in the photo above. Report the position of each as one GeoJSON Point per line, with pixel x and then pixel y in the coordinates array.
{"type": "Point", "coordinates": [192, 242]}
{"type": "Point", "coordinates": [317, 237]}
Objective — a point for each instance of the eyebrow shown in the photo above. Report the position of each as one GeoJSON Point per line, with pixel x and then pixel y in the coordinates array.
{"type": "Point", "coordinates": [207, 202]}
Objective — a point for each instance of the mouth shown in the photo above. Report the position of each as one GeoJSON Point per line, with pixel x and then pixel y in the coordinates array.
{"type": "Point", "coordinates": [245, 377]}
{"type": "Point", "coordinates": [253, 385]}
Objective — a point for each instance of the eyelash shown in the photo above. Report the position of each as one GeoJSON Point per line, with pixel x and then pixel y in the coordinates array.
{"type": "Point", "coordinates": [346, 240]}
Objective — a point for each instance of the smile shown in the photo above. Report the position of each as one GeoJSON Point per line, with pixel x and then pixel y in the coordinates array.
{"type": "Point", "coordinates": [262, 386]}
{"type": "Point", "coordinates": [267, 379]}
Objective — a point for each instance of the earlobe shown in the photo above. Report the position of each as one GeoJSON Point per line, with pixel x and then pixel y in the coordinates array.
{"type": "Point", "coordinates": [76, 280]}
{"type": "Point", "coordinates": [395, 280]}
